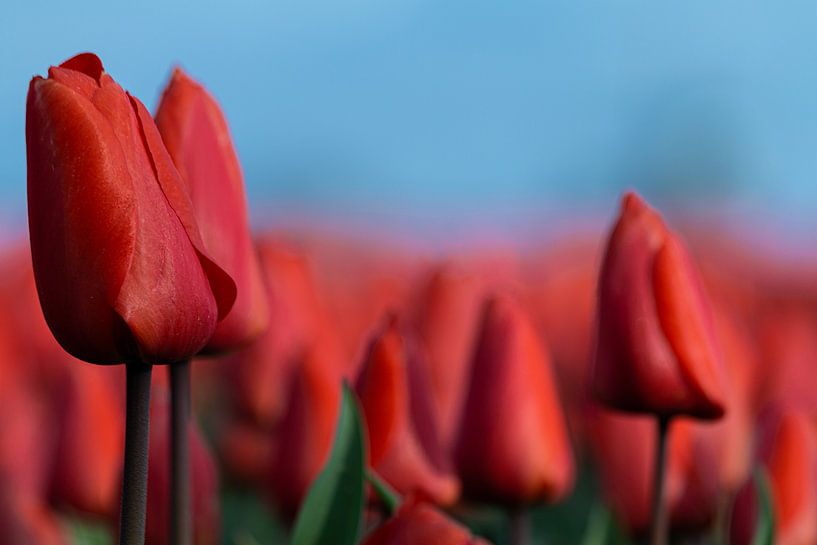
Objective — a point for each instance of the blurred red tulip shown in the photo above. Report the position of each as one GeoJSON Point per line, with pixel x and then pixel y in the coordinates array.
{"type": "Point", "coordinates": [396, 449]}
{"type": "Point", "coordinates": [120, 266]}
{"type": "Point", "coordinates": [513, 445]}
{"type": "Point", "coordinates": [87, 471]}
{"type": "Point", "coordinates": [304, 438]}
{"type": "Point", "coordinates": [417, 523]}
{"type": "Point", "coordinates": [788, 450]}
{"type": "Point", "coordinates": [447, 321]}
{"type": "Point", "coordinates": [203, 481]}
{"type": "Point", "coordinates": [196, 135]}
{"type": "Point", "coordinates": [656, 350]}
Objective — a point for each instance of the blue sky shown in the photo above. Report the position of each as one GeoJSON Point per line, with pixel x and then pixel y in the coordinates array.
{"type": "Point", "coordinates": [446, 117]}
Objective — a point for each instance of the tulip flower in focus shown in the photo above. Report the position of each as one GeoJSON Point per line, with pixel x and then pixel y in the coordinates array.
{"type": "Point", "coordinates": [513, 445]}
{"type": "Point", "coordinates": [788, 451]}
{"type": "Point", "coordinates": [419, 523]}
{"type": "Point", "coordinates": [121, 268]}
{"type": "Point", "coordinates": [391, 406]}
{"type": "Point", "coordinates": [204, 482]}
{"type": "Point", "coordinates": [656, 350]}
{"type": "Point", "coordinates": [304, 438]}
{"type": "Point", "coordinates": [196, 135]}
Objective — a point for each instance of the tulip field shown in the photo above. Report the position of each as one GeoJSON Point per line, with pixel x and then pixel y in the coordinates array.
{"type": "Point", "coordinates": [171, 376]}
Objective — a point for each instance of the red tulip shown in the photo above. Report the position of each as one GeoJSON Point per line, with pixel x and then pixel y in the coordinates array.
{"type": "Point", "coordinates": [418, 523]}
{"type": "Point", "coordinates": [87, 469]}
{"type": "Point", "coordinates": [656, 349]}
{"type": "Point", "coordinates": [447, 321]}
{"type": "Point", "coordinates": [120, 265]}
{"type": "Point", "coordinates": [394, 421]}
{"type": "Point", "coordinates": [203, 480]}
{"type": "Point", "coordinates": [788, 450]}
{"type": "Point", "coordinates": [305, 436]}
{"type": "Point", "coordinates": [196, 135]}
{"type": "Point", "coordinates": [513, 445]}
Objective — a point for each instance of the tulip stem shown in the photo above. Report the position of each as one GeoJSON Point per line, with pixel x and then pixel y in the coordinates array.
{"type": "Point", "coordinates": [181, 527]}
{"type": "Point", "coordinates": [658, 525]}
{"type": "Point", "coordinates": [137, 428]}
{"type": "Point", "coordinates": [520, 531]}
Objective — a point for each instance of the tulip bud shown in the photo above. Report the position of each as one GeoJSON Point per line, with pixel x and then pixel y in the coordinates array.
{"type": "Point", "coordinates": [656, 349]}
{"type": "Point", "coordinates": [513, 446]}
{"type": "Point", "coordinates": [304, 438]}
{"type": "Point", "coordinates": [196, 135]}
{"type": "Point", "coordinates": [447, 319]}
{"type": "Point", "coordinates": [420, 523]}
{"type": "Point", "coordinates": [203, 480]}
{"type": "Point", "coordinates": [120, 265]}
{"type": "Point", "coordinates": [788, 451]}
{"type": "Point", "coordinates": [393, 416]}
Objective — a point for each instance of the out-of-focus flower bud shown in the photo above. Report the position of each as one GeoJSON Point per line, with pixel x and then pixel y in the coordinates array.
{"type": "Point", "coordinates": [656, 350]}
{"type": "Point", "coordinates": [513, 445]}
{"type": "Point", "coordinates": [391, 407]}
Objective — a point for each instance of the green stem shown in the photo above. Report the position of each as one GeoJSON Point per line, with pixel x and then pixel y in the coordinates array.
{"type": "Point", "coordinates": [135, 479]}
{"type": "Point", "coordinates": [520, 531]}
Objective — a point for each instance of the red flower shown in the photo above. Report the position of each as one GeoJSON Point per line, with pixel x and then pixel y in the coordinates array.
{"type": "Point", "coordinates": [513, 445]}
{"type": "Point", "coordinates": [418, 523]}
{"type": "Point", "coordinates": [196, 135]}
{"type": "Point", "coordinates": [656, 349]}
{"type": "Point", "coordinates": [447, 322]}
{"type": "Point", "coordinates": [403, 446]}
{"type": "Point", "coordinates": [304, 438]}
{"type": "Point", "coordinates": [121, 268]}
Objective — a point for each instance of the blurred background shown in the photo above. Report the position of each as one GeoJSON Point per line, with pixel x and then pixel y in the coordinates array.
{"type": "Point", "coordinates": [454, 121]}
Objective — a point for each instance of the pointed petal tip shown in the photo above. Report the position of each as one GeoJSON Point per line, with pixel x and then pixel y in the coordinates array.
{"type": "Point", "coordinates": [87, 63]}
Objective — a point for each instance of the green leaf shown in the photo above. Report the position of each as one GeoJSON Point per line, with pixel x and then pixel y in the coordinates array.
{"type": "Point", "coordinates": [85, 532]}
{"type": "Point", "coordinates": [333, 509]}
{"type": "Point", "coordinates": [764, 529]}
{"type": "Point", "coordinates": [247, 520]}
{"type": "Point", "coordinates": [598, 525]}
{"type": "Point", "coordinates": [388, 495]}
